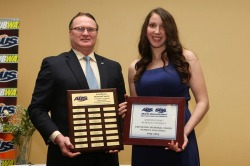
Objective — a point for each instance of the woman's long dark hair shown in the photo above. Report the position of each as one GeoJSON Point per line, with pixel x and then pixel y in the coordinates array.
{"type": "Point", "coordinates": [173, 47]}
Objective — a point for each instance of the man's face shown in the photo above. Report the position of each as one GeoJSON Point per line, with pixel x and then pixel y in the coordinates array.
{"type": "Point", "coordinates": [83, 34]}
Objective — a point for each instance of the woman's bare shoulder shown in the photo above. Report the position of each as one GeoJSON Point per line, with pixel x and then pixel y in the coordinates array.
{"type": "Point", "coordinates": [189, 55]}
{"type": "Point", "coordinates": [132, 64]}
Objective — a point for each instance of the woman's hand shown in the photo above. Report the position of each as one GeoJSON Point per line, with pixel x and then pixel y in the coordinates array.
{"type": "Point", "coordinates": [175, 146]}
{"type": "Point", "coordinates": [122, 109]}
{"type": "Point", "coordinates": [185, 142]}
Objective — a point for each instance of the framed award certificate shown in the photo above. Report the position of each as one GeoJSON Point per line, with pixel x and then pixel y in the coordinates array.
{"type": "Point", "coordinates": [94, 124]}
{"type": "Point", "coordinates": [154, 121]}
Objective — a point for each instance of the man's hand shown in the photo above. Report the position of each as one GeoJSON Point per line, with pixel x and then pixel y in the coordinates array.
{"type": "Point", "coordinates": [66, 146]}
{"type": "Point", "coordinates": [113, 151]}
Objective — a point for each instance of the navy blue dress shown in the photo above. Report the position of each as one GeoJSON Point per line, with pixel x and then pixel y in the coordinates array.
{"type": "Point", "coordinates": [165, 82]}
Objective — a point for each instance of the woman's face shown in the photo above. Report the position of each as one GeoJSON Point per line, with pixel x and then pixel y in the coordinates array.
{"type": "Point", "coordinates": [155, 32]}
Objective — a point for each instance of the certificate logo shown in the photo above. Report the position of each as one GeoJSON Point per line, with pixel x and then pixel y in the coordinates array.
{"type": "Point", "coordinates": [160, 110]}
{"type": "Point", "coordinates": [80, 98]}
{"type": "Point", "coordinates": [146, 109]}
{"type": "Point", "coordinates": [157, 110]}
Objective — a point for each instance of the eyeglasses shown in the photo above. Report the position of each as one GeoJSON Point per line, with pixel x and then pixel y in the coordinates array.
{"type": "Point", "coordinates": [82, 29]}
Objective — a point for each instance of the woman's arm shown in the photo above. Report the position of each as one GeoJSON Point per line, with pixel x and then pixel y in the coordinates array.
{"type": "Point", "coordinates": [199, 90]}
{"type": "Point", "coordinates": [131, 74]}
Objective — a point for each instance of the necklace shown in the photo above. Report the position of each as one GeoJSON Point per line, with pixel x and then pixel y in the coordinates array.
{"type": "Point", "coordinates": [155, 65]}
{"type": "Point", "coordinates": [159, 64]}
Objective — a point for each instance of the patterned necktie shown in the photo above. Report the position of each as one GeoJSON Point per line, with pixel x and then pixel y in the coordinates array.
{"type": "Point", "coordinates": [90, 74]}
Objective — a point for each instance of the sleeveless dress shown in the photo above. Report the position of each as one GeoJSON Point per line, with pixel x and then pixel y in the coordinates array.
{"type": "Point", "coordinates": [165, 82]}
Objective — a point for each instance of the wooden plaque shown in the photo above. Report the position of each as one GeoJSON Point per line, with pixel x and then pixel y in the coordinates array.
{"type": "Point", "coordinates": [94, 124]}
{"type": "Point", "coordinates": [154, 121]}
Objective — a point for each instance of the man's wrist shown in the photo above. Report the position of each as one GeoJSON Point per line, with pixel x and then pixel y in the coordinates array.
{"type": "Point", "coordinates": [54, 135]}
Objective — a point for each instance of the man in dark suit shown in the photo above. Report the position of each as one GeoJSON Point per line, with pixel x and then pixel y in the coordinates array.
{"type": "Point", "coordinates": [67, 72]}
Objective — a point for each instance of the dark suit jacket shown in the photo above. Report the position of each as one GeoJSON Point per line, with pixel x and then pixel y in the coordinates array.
{"type": "Point", "coordinates": [59, 74]}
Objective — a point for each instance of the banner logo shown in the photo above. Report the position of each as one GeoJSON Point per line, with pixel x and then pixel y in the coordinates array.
{"type": "Point", "coordinates": [9, 58]}
{"type": "Point", "coordinates": [8, 92]}
{"type": "Point", "coordinates": [6, 146]}
{"type": "Point", "coordinates": [10, 108]}
{"type": "Point", "coordinates": [8, 75]}
{"type": "Point", "coordinates": [6, 162]}
{"type": "Point", "coordinates": [9, 24]}
{"type": "Point", "coordinates": [9, 41]}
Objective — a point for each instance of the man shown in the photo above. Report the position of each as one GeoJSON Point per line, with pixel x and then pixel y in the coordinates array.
{"type": "Point", "coordinates": [67, 72]}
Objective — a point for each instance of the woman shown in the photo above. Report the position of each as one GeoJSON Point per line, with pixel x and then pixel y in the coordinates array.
{"type": "Point", "coordinates": [166, 69]}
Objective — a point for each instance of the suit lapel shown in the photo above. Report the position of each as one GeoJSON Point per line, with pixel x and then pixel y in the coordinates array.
{"type": "Point", "coordinates": [102, 70]}
{"type": "Point", "coordinates": [76, 68]}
